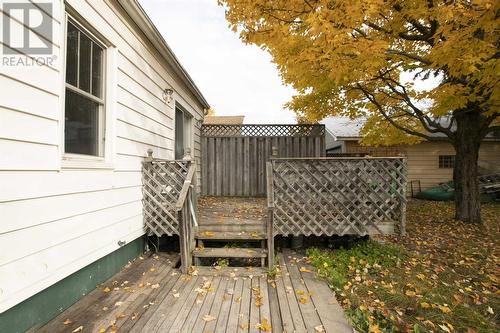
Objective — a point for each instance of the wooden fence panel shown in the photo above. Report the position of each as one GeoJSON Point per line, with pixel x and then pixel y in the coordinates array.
{"type": "Point", "coordinates": [235, 156]}
{"type": "Point", "coordinates": [337, 196]}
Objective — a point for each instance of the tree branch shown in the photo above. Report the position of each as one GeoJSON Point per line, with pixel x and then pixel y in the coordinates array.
{"type": "Point", "coordinates": [374, 101]}
{"type": "Point", "coordinates": [409, 55]}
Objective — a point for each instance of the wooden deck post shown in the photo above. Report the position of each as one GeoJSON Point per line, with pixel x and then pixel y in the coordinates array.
{"type": "Point", "coordinates": [182, 242]}
{"type": "Point", "coordinates": [270, 215]}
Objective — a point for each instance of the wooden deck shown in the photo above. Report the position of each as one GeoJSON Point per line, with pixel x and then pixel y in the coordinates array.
{"type": "Point", "coordinates": [152, 296]}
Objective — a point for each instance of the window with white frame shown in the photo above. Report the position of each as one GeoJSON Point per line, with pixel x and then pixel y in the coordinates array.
{"type": "Point", "coordinates": [183, 123]}
{"type": "Point", "coordinates": [84, 117]}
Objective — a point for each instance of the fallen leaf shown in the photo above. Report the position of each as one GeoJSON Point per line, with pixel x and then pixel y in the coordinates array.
{"type": "Point", "coordinates": [304, 270]}
{"type": "Point", "coordinates": [264, 326]}
{"type": "Point", "coordinates": [78, 329]}
{"type": "Point", "coordinates": [177, 295]}
{"type": "Point", "coordinates": [373, 328]}
{"type": "Point", "coordinates": [106, 290]}
{"type": "Point", "coordinates": [118, 303]}
{"type": "Point", "coordinates": [319, 329]}
{"type": "Point", "coordinates": [444, 328]}
{"type": "Point", "coordinates": [120, 315]}
{"type": "Point", "coordinates": [444, 309]}
{"type": "Point", "coordinates": [67, 322]}
{"type": "Point", "coordinates": [208, 318]}
{"type": "Point", "coordinates": [155, 286]}
{"type": "Point", "coordinates": [410, 293]}
{"type": "Point", "coordinates": [424, 305]}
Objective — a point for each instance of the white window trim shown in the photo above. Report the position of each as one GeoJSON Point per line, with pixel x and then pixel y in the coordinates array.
{"type": "Point", "coordinates": [190, 134]}
{"type": "Point", "coordinates": [108, 120]}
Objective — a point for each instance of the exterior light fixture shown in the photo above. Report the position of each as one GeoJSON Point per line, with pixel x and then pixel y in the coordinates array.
{"type": "Point", "coordinates": [167, 95]}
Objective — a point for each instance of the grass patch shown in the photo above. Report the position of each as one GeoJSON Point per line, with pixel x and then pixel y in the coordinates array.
{"type": "Point", "coordinates": [442, 277]}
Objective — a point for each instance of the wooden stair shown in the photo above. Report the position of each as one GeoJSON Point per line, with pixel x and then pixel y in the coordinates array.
{"type": "Point", "coordinates": [231, 228]}
{"type": "Point", "coordinates": [230, 235]}
{"type": "Point", "coordinates": [229, 252]}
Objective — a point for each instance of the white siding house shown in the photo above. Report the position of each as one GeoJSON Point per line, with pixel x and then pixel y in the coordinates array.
{"type": "Point", "coordinates": [70, 181]}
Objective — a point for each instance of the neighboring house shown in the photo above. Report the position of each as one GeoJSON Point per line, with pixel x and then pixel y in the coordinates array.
{"type": "Point", "coordinates": [73, 134]}
{"type": "Point", "coordinates": [223, 120]}
{"type": "Point", "coordinates": [429, 162]}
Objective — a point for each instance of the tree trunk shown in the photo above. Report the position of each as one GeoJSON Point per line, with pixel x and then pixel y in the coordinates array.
{"type": "Point", "coordinates": [465, 172]}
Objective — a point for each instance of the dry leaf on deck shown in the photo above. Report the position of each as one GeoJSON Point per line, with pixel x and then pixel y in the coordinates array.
{"type": "Point", "coordinates": [264, 326]}
{"type": "Point", "coordinates": [319, 329]}
{"type": "Point", "coordinates": [67, 322]}
{"type": "Point", "coordinates": [208, 317]}
{"type": "Point", "coordinates": [78, 329]}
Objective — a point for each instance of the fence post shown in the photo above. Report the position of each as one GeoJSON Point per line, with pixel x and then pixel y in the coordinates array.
{"type": "Point", "coordinates": [149, 158]}
{"type": "Point", "coordinates": [270, 215]}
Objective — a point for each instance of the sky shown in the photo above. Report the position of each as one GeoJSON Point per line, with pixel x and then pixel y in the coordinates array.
{"type": "Point", "coordinates": [236, 79]}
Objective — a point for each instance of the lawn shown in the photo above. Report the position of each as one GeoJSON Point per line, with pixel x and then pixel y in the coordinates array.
{"type": "Point", "coordinates": [442, 277]}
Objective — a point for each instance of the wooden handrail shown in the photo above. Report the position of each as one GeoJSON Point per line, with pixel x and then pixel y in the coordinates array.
{"type": "Point", "coordinates": [185, 187]}
{"type": "Point", "coordinates": [269, 184]}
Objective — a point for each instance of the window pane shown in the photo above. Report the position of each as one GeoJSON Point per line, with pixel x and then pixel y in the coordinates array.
{"type": "Point", "coordinates": [81, 125]}
{"type": "Point", "coordinates": [96, 70]}
{"type": "Point", "coordinates": [85, 55]}
{"type": "Point", "coordinates": [179, 134]}
{"type": "Point", "coordinates": [187, 130]}
{"type": "Point", "coordinates": [72, 55]}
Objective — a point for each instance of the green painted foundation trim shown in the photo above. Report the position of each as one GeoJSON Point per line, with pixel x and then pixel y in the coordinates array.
{"type": "Point", "coordinates": [50, 302]}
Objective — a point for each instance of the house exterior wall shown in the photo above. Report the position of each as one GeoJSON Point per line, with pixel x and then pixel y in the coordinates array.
{"type": "Point", "coordinates": [423, 158]}
{"type": "Point", "coordinates": [57, 217]}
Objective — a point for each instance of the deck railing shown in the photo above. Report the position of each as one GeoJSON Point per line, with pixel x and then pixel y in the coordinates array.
{"type": "Point", "coordinates": [336, 196]}
{"type": "Point", "coordinates": [186, 216]}
{"type": "Point", "coordinates": [169, 200]}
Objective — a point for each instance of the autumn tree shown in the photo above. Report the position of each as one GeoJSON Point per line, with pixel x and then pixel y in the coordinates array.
{"type": "Point", "coordinates": [427, 68]}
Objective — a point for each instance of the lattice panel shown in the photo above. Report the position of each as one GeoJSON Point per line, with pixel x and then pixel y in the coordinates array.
{"type": "Point", "coordinates": [337, 196]}
{"type": "Point", "coordinates": [262, 130]}
{"type": "Point", "coordinates": [162, 181]}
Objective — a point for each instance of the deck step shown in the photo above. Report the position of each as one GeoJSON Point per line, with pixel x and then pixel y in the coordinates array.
{"type": "Point", "coordinates": [231, 271]}
{"type": "Point", "coordinates": [230, 235]}
{"type": "Point", "coordinates": [232, 228]}
{"type": "Point", "coordinates": [229, 252]}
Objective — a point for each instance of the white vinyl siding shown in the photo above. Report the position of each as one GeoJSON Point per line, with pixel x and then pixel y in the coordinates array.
{"type": "Point", "coordinates": [57, 217]}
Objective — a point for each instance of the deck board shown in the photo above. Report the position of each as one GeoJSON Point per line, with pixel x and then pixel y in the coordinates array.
{"type": "Point", "coordinates": [230, 299]}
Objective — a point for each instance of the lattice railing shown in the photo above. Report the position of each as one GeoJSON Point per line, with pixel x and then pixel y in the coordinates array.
{"type": "Point", "coordinates": [330, 196]}
{"type": "Point", "coordinates": [162, 183]}
{"type": "Point", "coordinates": [263, 130]}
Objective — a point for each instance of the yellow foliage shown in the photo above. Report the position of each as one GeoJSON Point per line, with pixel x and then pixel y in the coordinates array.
{"type": "Point", "coordinates": [378, 60]}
